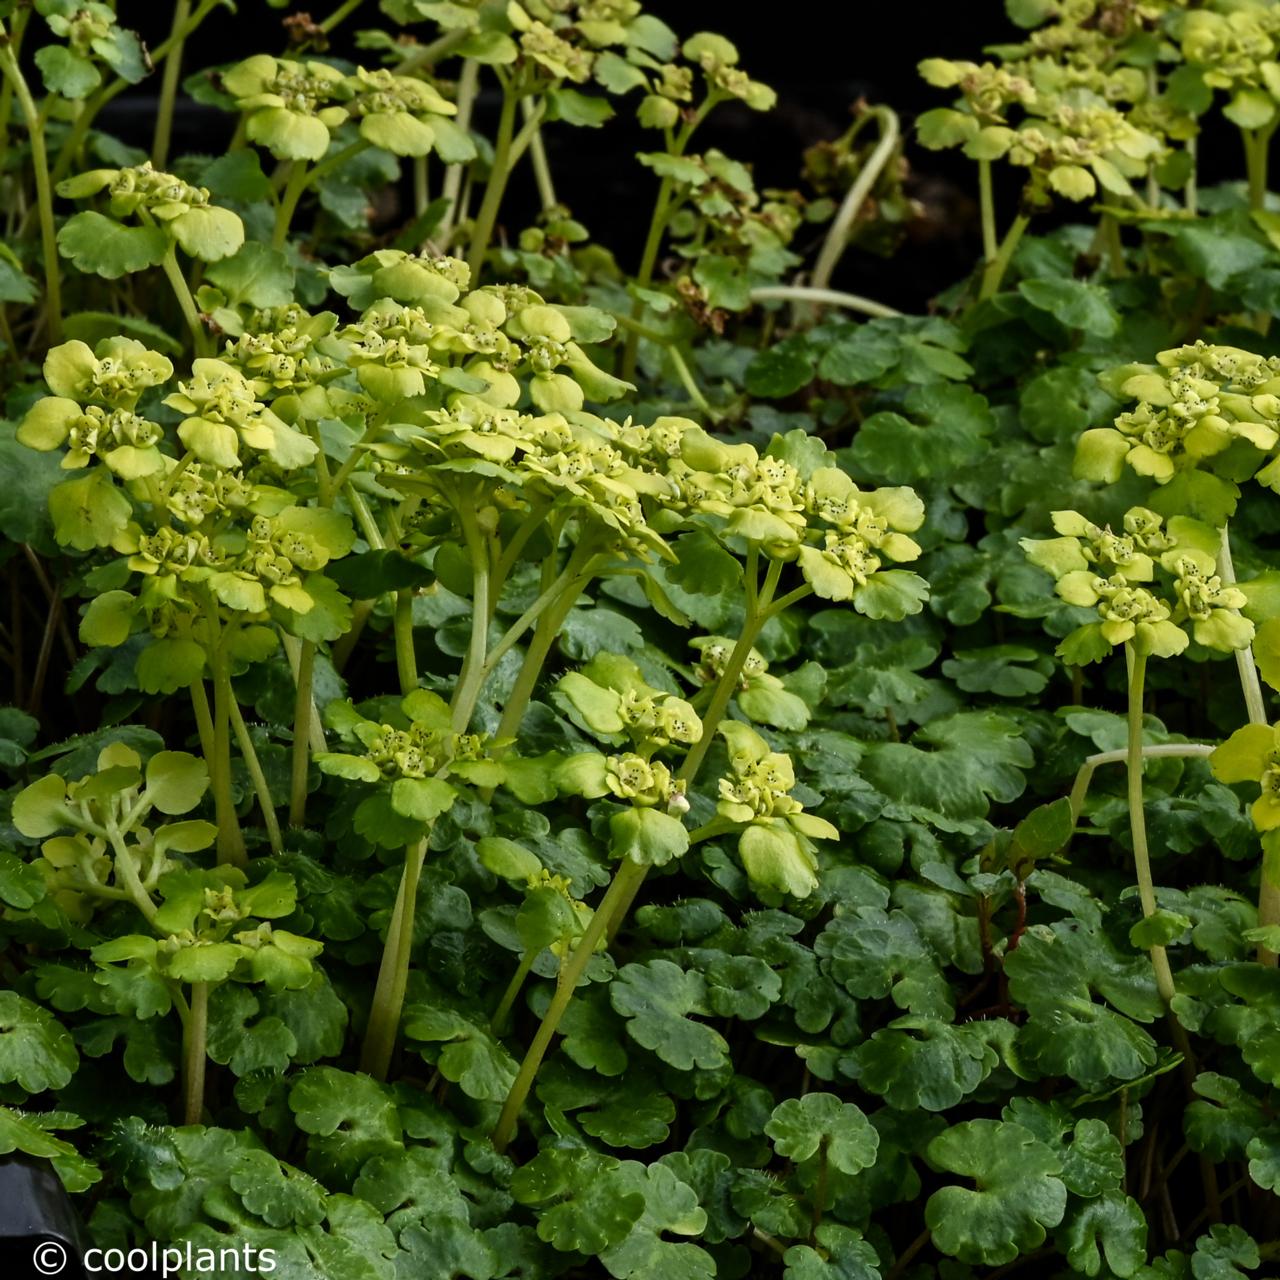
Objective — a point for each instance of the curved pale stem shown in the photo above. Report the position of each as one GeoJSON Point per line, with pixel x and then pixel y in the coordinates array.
{"type": "Point", "coordinates": [837, 238]}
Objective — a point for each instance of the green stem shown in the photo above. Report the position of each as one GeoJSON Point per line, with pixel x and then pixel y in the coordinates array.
{"type": "Point", "coordinates": [987, 205]}
{"type": "Point", "coordinates": [820, 1192]}
{"type": "Point", "coordinates": [487, 217]}
{"type": "Point", "coordinates": [625, 881]}
{"type": "Point", "coordinates": [300, 178]}
{"type": "Point", "coordinates": [471, 678]}
{"type": "Point", "coordinates": [541, 167]}
{"type": "Point", "coordinates": [230, 837]}
{"type": "Point", "coordinates": [630, 875]}
{"type": "Point", "coordinates": [195, 1037]}
{"type": "Point", "coordinates": [648, 261]}
{"type": "Point", "coordinates": [182, 292]}
{"type": "Point", "coordinates": [996, 269]}
{"type": "Point", "coordinates": [727, 685]}
{"type": "Point", "coordinates": [340, 14]}
{"type": "Point", "coordinates": [204, 721]}
{"type": "Point", "coordinates": [357, 454]}
{"type": "Point", "coordinates": [569, 582]}
{"type": "Point", "coordinates": [393, 973]}
{"type": "Point", "coordinates": [297, 184]}
{"type": "Point", "coordinates": [261, 789]}
{"type": "Point", "coordinates": [406, 654]}
{"type": "Point", "coordinates": [421, 192]}
{"type": "Point", "coordinates": [758, 613]}
{"type": "Point", "coordinates": [1109, 230]}
{"type": "Point", "coordinates": [427, 55]}
{"type": "Point", "coordinates": [44, 188]}
{"type": "Point", "coordinates": [499, 1021]}
{"type": "Point", "coordinates": [1153, 183]}
{"type": "Point", "coordinates": [1256, 708]}
{"type": "Point", "coordinates": [302, 710]}
{"type": "Point", "coordinates": [169, 85]}
{"type": "Point", "coordinates": [467, 84]}
{"type": "Point", "coordinates": [127, 873]}
{"type": "Point", "coordinates": [662, 211]}
{"type": "Point", "coordinates": [18, 30]}
{"type": "Point", "coordinates": [1191, 195]}
{"type": "Point", "coordinates": [544, 637]}
{"type": "Point", "coordinates": [1257, 146]}
{"type": "Point", "coordinates": [1138, 819]}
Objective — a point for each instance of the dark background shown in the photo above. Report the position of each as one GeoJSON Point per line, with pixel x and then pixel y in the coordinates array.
{"type": "Point", "coordinates": [821, 56]}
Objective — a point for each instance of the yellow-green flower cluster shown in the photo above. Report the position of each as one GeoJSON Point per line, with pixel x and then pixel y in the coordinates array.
{"type": "Point", "coordinates": [776, 844]}
{"type": "Point", "coordinates": [203, 230]}
{"type": "Point", "coordinates": [1070, 137]}
{"type": "Point", "coordinates": [1194, 403]}
{"type": "Point", "coordinates": [1154, 585]}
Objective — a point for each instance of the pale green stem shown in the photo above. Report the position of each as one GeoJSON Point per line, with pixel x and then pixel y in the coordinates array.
{"type": "Point", "coordinates": [17, 31]}
{"type": "Point", "coordinates": [303, 709]}
{"type": "Point", "coordinates": [421, 192]}
{"type": "Point", "coordinates": [837, 238]}
{"type": "Point", "coordinates": [626, 879]}
{"type": "Point", "coordinates": [169, 85]}
{"type": "Point", "coordinates": [987, 206]}
{"type": "Point", "coordinates": [427, 55]}
{"type": "Point", "coordinates": [498, 1023]}
{"type": "Point", "coordinates": [393, 974]}
{"type": "Point", "coordinates": [204, 721]}
{"type": "Point", "coordinates": [1250, 685]}
{"type": "Point", "coordinates": [822, 297]}
{"type": "Point", "coordinates": [315, 730]}
{"type": "Point", "coordinates": [257, 777]}
{"type": "Point", "coordinates": [1158, 751]}
{"type": "Point", "coordinates": [471, 678]}
{"type": "Point", "coordinates": [758, 613]}
{"type": "Point", "coordinates": [230, 838]}
{"type": "Point", "coordinates": [630, 875]}
{"type": "Point", "coordinates": [44, 189]}
{"type": "Point", "coordinates": [995, 271]}
{"type": "Point", "coordinates": [340, 14]}
{"type": "Point", "coordinates": [487, 217]}
{"type": "Point", "coordinates": [195, 1037]}
{"type": "Point", "coordinates": [467, 84]}
{"type": "Point", "coordinates": [181, 291]}
{"type": "Point", "coordinates": [1257, 147]}
{"type": "Point", "coordinates": [288, 205]}
{"type": "Point", "coordinates": [1138, 819]}
{"type": "Point", "coordinates": [406, 654]}
{"type": "Point", "coordinates": [544, 637]}
{"type": "Point", "coordinates": [662, 211]}
{"type": "Point", "coordinates": [356, 456]}
{"type": "Point", "coordinates": [127, 874]}
{"type": "Point", "coordinates": [541, 168]}
{"type": "Point", "coordinates": [1153, 183]}
{"type": "Point", "coordinates": [566, 583]}
{"type": "Point", "coordinates": [1256, 708]}
{"type": "Point", "coordinates": [1191, 195]}
{"type": "Point", "coordinates": [727, 685]}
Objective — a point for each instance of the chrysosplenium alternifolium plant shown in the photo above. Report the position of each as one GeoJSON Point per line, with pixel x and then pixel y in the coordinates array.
{"type": "Point", "coordinates": [450, 423]}
{"type": "Point", "coordinates": [551, 764]}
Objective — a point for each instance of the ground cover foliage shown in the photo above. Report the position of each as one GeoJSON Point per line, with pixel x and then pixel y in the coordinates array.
{"type": "Point", "coordinates": [658, 769]}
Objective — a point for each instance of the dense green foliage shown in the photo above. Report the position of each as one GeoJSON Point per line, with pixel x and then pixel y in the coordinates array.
{"type": "Point", "coordinates": [663, 769]}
